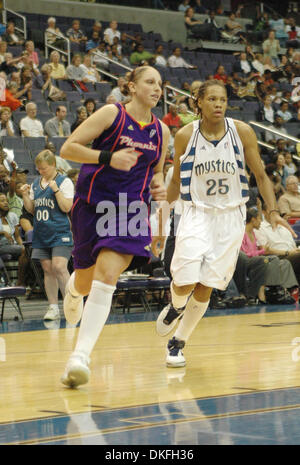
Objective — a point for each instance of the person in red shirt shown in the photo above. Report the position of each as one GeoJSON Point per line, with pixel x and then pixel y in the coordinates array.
{"type": "Point", "coordinates": [9, 99]}
{"type": "Point", "coordinates": [172, 118]}
{"type": "Point", "coordinates": [221, 74]}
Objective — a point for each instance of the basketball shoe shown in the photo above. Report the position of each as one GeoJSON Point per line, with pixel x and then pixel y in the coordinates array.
{"type": "Point", "coordinates": [77, 371]}
{"type": "Point", "coordinates": [73, 307]}
{"type": "Point", "coordinates": [175, 356]}
{"type": "Point", "coordinates": [167, 319]}
{"type": "Point", "coordinates": [53, 313]}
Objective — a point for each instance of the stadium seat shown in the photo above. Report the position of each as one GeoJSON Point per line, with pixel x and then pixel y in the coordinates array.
{"type": "Point", "coordinates": [34, 145]}
{"type": "Point", "coordinates": [9, 292]}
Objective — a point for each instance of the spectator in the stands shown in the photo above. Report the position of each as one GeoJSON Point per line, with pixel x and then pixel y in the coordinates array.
{"type": "Point", "coordinates": [279, 26]}
{"type": "Point", "coordinates": [172, 118]}
{"type": "Point", "coordinates": [184, 5]}
{"type": "Point", "coordinates": [11, 36]}
{"type": "Point", "coordinates": [275, 180]}
{"type": "Point", "coordinates": [58, 70]}
{"type": "Point", "coordinates": [199, 8]}
{"type": "Point", "coordinates": [277, 126]}
{"type": "Point", "coordinates": [289, 202]}
{"type": "Point", "coordinates": [54, 36]}
{"type": "Point", "coordinates": [268, 112]}
{"type": "Point", "coordinates": [6, 125]}
{"type": "Point", "coordinates": [160, 59]}
{"type": "Point", "coordinates": [4, 178]}
{"type": "Point", "coordinates": [58, 126]}
{"type": "Point", "coordinates": [281, 170]}
{"type": "Point", "coordinates": [242, 65]}
{"type": "Point", "coordinates": [97, 27]}
{"type": "Point", "coordinates": [176, 60]}
{"type": "Point", "coordinates": [14, 195]}
{"type": "Point", "coordinates": [140, 56]}
{"type": "Point", "coordinates": [10, 64]}
{"type": "Point", "coordinates": [100, 54]}
{"type": "Point", "coordinates": [90, 73]}
{"type": "Point", "coordinates": [258, 63]}
{"type": "Point", "coordinates": [290, 165]}
{"type": "Point", "coordinates": [26, 79]}
{"type": "Point", "coordinates": [216, 29]}
{"type": "Point", "coordinates": [75, 34]}
{"type": "Point", "coordinates": [61, 164]}
{"type": "Point", "coordinates": [33, 55]}
{"type": "Point", "coordinates": [93, 42]}
{"type": "Point", "coordinates": [125, 44]}
{"type": "Point", "coordinates": [220, 74]}
{"type": "Point", "coordinates": [10, 97]}
{"type": "Point", "coordinates": [111, 32]}
{"type": "Point", "coordinates": [74, 71]}
{"type": "Point", "coordinates": [81, 116]}
{"type": "Point", "coordinates": [30, 126]}
{"type": "Point", "coordinates": [115, 54]}
{"type": "Point", "coordinates": [3, 51]}
{"type": "Point", "coordinates": [284, 112]}
{"type": "Point", "coordinates": [198, 28]}
{"type": "Point", "coordinates": [234, 28]}
{"type": "Point", "coordinates": [117, 91]}
{"type": "Point", "coordinates": [10, 238]}
{"type": "Point", "coordinates": [90, 106]}
{"type": "Point", "coordinates": [184, 115]}
{"type": "Point", "coordinates": [271, 48]}
{"type": "Point", "coordinates": [278, 241]}
{"type": "Point", "coordinates": [293, 32]}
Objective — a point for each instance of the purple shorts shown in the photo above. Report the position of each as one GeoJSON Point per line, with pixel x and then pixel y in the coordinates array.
{"type": "Point", "coordinates": [124, 232]}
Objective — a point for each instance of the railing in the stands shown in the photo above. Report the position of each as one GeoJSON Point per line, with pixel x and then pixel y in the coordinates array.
{"type": "Point", "coordinates": [277, 133]}
{"type": "Point", "coordinates": [23, 29]}
{"type": "Point", "coordinates": [104, 71]}
{"type": "Point", "coordinates": [63, 51]}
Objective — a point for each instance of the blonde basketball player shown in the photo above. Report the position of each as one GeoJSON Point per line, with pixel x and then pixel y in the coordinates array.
{"type": "Point", "coordinates": [210, 177]}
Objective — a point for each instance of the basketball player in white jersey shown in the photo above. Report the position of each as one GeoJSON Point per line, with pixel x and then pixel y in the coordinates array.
{"type": "Point", "coordinates": [210, 177]}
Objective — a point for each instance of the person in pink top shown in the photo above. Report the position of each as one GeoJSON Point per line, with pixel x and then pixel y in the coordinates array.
{"type": "Point", "coordinates": [279, 271]}
{"type": "Point", "coordinates": [29, 47]}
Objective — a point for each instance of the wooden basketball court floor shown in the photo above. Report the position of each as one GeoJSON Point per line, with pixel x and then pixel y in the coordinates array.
{"type": "Point", "coordinates": [241, 384]}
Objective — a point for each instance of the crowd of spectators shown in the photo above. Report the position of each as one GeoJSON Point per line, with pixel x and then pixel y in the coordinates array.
{"type": "Point", "coordinates": [254, 77]}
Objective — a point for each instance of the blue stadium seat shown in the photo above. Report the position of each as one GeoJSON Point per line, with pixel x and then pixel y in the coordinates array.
{"type": "Point", "coordinates": [58, 142]}
{"type": "Point", "coordinates": [34, 145]}
{"type": "Point", "coordinates": [13, 143]}
{"type": "Point", "coordinates": [104, 90]}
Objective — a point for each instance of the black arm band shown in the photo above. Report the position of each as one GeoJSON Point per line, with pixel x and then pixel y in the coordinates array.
{"type": "Point", "coordinates": [105, 157]}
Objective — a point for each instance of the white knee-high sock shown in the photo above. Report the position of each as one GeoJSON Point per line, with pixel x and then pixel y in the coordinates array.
{"type": "Point", "coordinates": [192, 315]}
{"type": "Point", "coordinates": [71, 285]}
{"type": "Point", "coordinates": [95, 314]}
{"type": "Point", "coordinates": [178, 301]}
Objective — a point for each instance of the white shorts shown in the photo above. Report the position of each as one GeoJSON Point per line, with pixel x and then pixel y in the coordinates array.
{"type": "Point", "coordinates": [207, 246]}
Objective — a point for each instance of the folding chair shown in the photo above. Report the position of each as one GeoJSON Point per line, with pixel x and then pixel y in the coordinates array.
{"type": "Point", "coordinates": [8, 292]}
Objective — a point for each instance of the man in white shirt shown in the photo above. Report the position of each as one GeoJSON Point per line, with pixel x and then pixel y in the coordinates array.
{"type": "Point", "coordinates": [176, 60]}
{"type": "Point", "coordinates": [30, 126]}
{"type": "Point", "coordinates": [111, 32]}
{"type": "Point", "coordinates": [278, 242]}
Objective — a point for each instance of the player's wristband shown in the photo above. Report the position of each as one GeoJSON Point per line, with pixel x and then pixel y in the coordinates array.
{"type": "Point", "coordinates": [105, 157]}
